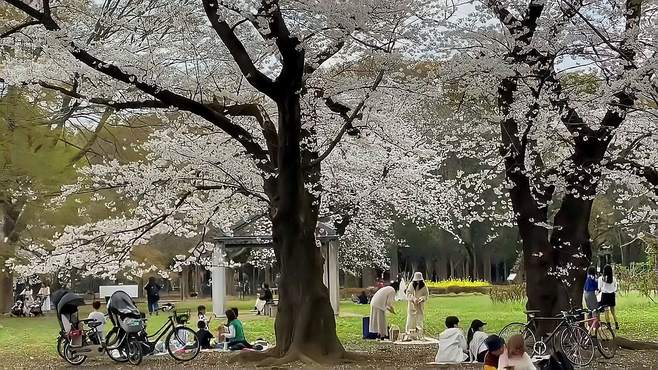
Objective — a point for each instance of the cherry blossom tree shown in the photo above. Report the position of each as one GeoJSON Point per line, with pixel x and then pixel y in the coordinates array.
{"type": "Point", "coordinates": [232, 65]}
{"type": "Point", "coordinates": [571, 83]}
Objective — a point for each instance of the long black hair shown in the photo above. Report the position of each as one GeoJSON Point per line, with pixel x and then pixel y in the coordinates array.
{"type": "Point", "coordinates": [230, 316]}
{"type": "Point", "coordinates": [418, 284]}
{"type": "Point", "coordinates": [476, 325]}
{"type": "Point", "coordinates": [607, 274]}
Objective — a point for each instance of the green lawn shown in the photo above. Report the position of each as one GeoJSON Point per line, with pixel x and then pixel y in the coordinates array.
{"type": "Point", "coordinates": [36, 336]}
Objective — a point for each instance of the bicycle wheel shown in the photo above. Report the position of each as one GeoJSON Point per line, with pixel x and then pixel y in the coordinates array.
{"type": "Point", "coordinates": [113, 347]}
{"type": "Point", "coordinates": [523, 329]}
{"type": "Point", "coordinates": [183, 343]}
{"type": "Point", "coordinates": [61, 341]}
{"type": "Point", "coordinates": [134, 351]}
{"type": "Point", "coordinates": [71, 358]}
{"type": "Point", "coordinates": [605, 340]}
{"type": "Point", "coordinates": [577, 345]}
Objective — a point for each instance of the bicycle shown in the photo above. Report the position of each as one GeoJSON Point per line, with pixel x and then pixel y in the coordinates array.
{"type": "Point", "coordinates": [603, 332]}
{"type": "Point", "coordinates": [574, 341]}
{"type": "Point", "coordinates": [181, 341]}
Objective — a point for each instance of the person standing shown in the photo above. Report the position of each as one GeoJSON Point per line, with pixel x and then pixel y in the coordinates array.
{"type": "Point", "coordinates": [152, 295]}
{"type": "Point", "coordinates": [608, 288]}
{"type": "Point", "coordinates": [381, 302]}
{"type": "Point", "coordinates": [44, 292]}
{"type": "Point", "coordinates": [589, 293]}
{"type": "Point", "coordinates": [417, 294]}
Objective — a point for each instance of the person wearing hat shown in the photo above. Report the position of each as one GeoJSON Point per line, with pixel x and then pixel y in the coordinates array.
{"type": "Point", "coordinates": [475, 340]}
{"type": "Point", "coordinates": [496, 347]}
{"type": "Point", "coordinates": [417, 294]}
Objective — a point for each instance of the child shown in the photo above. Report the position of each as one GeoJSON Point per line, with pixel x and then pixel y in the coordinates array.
{"type": "Point", "coordinates": [495, 348]}
{"type": "Point", "coordinates": [98, 316]}
{"type": "Point", "coordinates": [452, 343]}
{"type": "Point", "coordinates": [204, 335]}
{"type": "Point", "coordinates": [515, 356]}
{"type": "Point", "coordinates": [475, 340]}
{"type": "Point", "coordinates": [201, 312]}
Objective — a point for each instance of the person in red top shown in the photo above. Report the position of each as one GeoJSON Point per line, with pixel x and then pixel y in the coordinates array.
{"type": "Point", "coordinates": [496, 347]}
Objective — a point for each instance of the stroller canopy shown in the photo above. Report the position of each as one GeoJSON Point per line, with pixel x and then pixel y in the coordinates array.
{"type": "Point", "coordinates": [55, 297]}
{"type": "Point", "coordinates": [120, 303]}
{"type": "Point", "coordinates": [69, 303]}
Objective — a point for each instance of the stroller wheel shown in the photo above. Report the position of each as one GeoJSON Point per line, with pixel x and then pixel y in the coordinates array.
{"type": "Point", "coordinates": [72, 358]}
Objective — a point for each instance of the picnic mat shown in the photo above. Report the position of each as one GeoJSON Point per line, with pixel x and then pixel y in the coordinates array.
{"type": "Point", "coordinates": [427, 341]}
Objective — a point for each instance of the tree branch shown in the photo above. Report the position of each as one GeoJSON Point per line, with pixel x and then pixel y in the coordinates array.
{"type": "Point", "coordinates": [18, 28]}
{"type": "Point", "coordinates": [348, 122]}
{"type": "Point", "coordinates": [165, 96]}
{"type": "Point", "coordinates": [254, 76]}
{"type": "Point", "coordinates": [323, 56]}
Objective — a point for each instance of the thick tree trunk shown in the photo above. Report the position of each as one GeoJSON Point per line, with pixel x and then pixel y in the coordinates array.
{"type": "Point", "coordinates": [305, 324]}
{"type": "Point", "coordinates": [6, 290]}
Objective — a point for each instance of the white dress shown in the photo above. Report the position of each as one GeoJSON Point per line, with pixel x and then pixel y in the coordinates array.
{"type": "Point", "coordinates": [416, 312]}
{"type": "Point", "coordinates": [380, 302]}
{"type": "Point", "coordinates": [45, 293]}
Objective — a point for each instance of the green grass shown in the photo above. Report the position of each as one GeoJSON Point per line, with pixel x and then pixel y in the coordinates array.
{"type": "Point", "coordinates": [35, 337]}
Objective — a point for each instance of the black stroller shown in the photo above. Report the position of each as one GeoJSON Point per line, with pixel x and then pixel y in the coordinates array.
{"type": "Point", "coordinates": [74, 343]}
{"type": "Point", "coordinates": [128, 335]}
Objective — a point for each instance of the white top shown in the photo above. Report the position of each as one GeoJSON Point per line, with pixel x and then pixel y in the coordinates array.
{"type": "Point", "coordinates": [607, 287]}
{"type": "Point", "coordinates": [518, 363]}
{"type": "Point", "coordinates": [44, 291]}
{"type": "Point", "coordinates": [477, 343]}
{"type": "Point", "coordinates": [383, 298]}
{"type": "Point", "coordinates": [452, 346]}
{"type": "Point", "coordinates": [229, 333]}
{"type": "Point", "coordinates": [98, 316]}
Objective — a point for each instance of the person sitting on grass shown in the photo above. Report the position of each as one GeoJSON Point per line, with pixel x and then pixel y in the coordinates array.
{"type": "Point", "coordinates": [452, 343]}
{"type": "Point", "coordinates": [204, 335]}
{"type": "Point", "coordinates": [233, 332]}
{"type": "Point", "coordinates": [495, 348]}
{"type": "Point", "coordinates": [362, 298]}
{"type": "Point", "coordinates": [475, 339]}
{"type": "Point", "coordinates": [515, 356]}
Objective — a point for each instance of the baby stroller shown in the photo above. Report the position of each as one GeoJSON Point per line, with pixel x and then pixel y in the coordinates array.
{"type": "Point", "coordinates": [128, 336]}
{"type": "Point", "coordinates": [74, 343]}
{"type": "Point", "coordinates": [18, 309]}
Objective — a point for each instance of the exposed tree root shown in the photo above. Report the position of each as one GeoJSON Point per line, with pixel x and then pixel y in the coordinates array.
{"type": "Point", "coordinates": [635, 345]}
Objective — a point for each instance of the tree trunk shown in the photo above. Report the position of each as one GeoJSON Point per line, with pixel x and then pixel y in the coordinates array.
{"type": "Point", "coordinates": [487, 266]}
{"type": "Point", "coordinates": [395, 266]}
{"type": "Point", "coordinates": [305, 324]}
{"type": "Point", "coordinates": [10, 212]}
{"type": "Point", "coordinates": [6, 290]}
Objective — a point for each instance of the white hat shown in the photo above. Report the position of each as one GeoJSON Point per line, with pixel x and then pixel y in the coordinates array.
{"type": "Point", "coordinates": [418, 276]}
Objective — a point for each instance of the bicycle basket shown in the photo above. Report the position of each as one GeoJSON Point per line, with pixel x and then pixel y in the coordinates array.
{"type": "Point", "coordinates": [131, 325]}
{"type": "Point", "coordinates": [183, 317]}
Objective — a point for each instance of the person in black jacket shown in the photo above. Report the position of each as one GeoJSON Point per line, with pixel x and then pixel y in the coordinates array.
{"type": "Point", "coordinates": [152, 295]}
{"type": "Point", "coordinates": [264, 298]}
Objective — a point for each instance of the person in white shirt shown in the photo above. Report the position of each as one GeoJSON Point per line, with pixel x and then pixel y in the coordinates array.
{"type": "Point", "coordinates": [382, 301]}
{"type": "Point", "coordinates": [417, 294]}
{"type": "Point", "coordinates": [608, 289]}
{"type": "Point", "coordinates": [44, 292]}
{"type": "Point", "coordinates": [475, 340]}
{"type": "Point", "coordinates": [452, 343]}
{"type": "Point", "coordinates": [98, 316]}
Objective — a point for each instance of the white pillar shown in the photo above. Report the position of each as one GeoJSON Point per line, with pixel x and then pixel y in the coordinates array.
{"type": "Point", "coordinates": [218, 280]}
{"type": "Point", "coordinates": [330, 275]}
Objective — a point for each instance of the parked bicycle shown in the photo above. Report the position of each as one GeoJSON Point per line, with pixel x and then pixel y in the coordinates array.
{"type": "Point", "coordinates": [567, 335]}
{"type": "Point", "coordinates": [604, 335]}
{"type": "Point", "coordinates": [180, 341]}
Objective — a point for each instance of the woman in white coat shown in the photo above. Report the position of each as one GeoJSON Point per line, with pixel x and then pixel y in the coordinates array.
{"type": "Point", "coordinates": [417, 294]}
{"type": "Point", "coordinates": [382, 301]}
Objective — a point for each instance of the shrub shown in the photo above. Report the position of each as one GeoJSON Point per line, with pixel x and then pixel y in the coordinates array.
{"type": "Point", "coordinates": [507, 293]}
{"type": "Point", "coordinates": [458, 286]}
{"type": "Point", "coordinates": [639, 276]}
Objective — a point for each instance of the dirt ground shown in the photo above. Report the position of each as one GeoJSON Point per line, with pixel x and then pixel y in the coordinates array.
{"type": "Point", "coordinates": [377, 356]}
